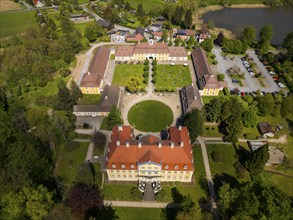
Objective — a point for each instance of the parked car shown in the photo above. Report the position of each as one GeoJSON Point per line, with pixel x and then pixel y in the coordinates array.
{"type": "Point", "coordinates": [235, 80]}
{"type": "Point", "coordinates": [272, 73]}
{"type": "Point", "coordinates": [242, 94]}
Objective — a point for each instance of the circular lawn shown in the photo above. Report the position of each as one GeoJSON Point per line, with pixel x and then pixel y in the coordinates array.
{"type": "Point", "coordinates": [150, 116]}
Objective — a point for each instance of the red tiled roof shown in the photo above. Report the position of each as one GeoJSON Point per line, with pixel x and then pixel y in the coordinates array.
{"type": "Point", "coordinates": [177, 52]}
{"type": "Point", "coordinates": [134, 37]}
{"type": "Point", "coordinates": [124, 51]}
{"type": "Point", "coordinates": [128, 152]}
{"type": "Point", "coordinates": [97, 69]}
{"type": "Point", "coordinates": [142, 48]}
{"type": "Point", "coordinates": [190, 32]}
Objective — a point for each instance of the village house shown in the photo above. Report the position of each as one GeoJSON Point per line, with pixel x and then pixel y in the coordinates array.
{"type": "Point", "coordinates": [207, 82]}
{"type": "Point", "coordinates": [156, 26]}
{"type": "Point", "coordinates": [149, 158]}
{"type": "Point", "coordinates": [106, 24]}
{"type": "Point", "coordinates": [92, 81]}
{"type": "Point", "coordinates": [151, 50]}
{"type": "Point", "coordinates": [118, 35]}
{"type": "Point", "coordinates": [110, 97]}
{"type": "Point", "coordinates": [157, 35]}
{"type": "Point", "coordinates": [265, 129]}
{"type": "Point", "coordinates": [137, 36]}
{"type": "Point", "coordinates": [183, 34]}
{"type": "Point", "coordinates": [204, 34]}
{"type": "Point", "coordinates": [39, 3]}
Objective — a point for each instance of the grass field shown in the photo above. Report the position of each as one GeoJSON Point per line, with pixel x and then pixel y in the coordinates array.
{"type": "Point", "coordinates": [224, 168]}
{"type": "Point", "coordinates": [9, 5]}
{"type": "Point", "coordinates": [124, 72]}
{"type": "Point", "coordinates": [284, 183]}
{"type": "Point", "coordinates": [16, 23]}
{"type": "Point", "coordinates": [216, 2]}
{"type": "Point", "coordinates": [129, 213]}
{"type": "Point", "coordinates": [212, 131]}
{"type": "Point", "coordinates": [151, 116]}
{"type": "Point", "coordinates": [147, 5]}
{"type": "Point", "coordinates": [119, 192]}
{"type": "Point", "coordinates": [83, 1]}
{"type": "Point", "coordinates": [70, 160]}
{"type": "Point", "coordinates": [176, 76]}
{"type": "Point", "coordinates": [89, 99]}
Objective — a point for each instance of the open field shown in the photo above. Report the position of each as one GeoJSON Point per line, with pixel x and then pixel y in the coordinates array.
{"type": "Point", "coordinates": [175, 76]}
{"type": "Point", "coordinates": [9, 5]}
{"type": "Point", "coordinates": [151, 116]}
{"type": "Point", "coordinates": [16, 23]}
{"type": "Point", "coordinates": [71, 157]}
{"type": "Point", "coordinates": [124, 72]}
{"type": "Point", "coordinates": [131, 213]}
{"type": "Point", "coordinates": [147, 5]}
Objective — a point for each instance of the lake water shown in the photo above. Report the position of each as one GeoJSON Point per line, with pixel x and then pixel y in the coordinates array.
{"type": "Point", "coordinates": [236, 19]}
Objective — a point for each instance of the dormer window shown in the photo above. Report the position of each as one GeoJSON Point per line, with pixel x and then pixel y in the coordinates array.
{"type": "Point", "coordinates": [132, 166]}
{"type": "Point", "coordinates": [185, 167]}
{"type": "Point", "coordinates": [167, 166]}
{"type": "Point", "coordinates": [176, 167]}
{"type": "Point", "coordinates": [123, 166]}
{"type": "Point", "coordinates": [113, 165]}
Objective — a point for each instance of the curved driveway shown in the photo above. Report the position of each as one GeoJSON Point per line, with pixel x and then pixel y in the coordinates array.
{"type": "Point", "coordinates": [171, 100]}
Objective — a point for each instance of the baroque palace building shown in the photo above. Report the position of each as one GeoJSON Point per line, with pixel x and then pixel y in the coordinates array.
{"type": "Point", "coordinates": [151, 50]}
{"type": "Point", "coordinates": [150, 158]}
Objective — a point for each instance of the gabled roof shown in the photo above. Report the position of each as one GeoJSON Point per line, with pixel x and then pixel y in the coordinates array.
{"type": "Point", "coordinates": [265, 128]}
{"type": "Point", "coordinates": [124, 51]}
{"type": "Point", "coordinates": [190, 98]}
{"type": "Point", "coordinates": [177, 52]}
{"type": "Point", "coordinates": [104, 23]}
{"type": "Point", "coordinates": [85, 108]}
{"type": "Point", "coordinates": [146, 47]}
{"type": "Point", "coordinates": [140, 31]}
{"type": "Point", "coordinates": [110, 97]}
{"type": "Point", "coordinates": [97, 69]}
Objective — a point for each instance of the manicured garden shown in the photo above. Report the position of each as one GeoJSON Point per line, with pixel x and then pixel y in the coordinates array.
{"type": "Point", "coordinates": [16, 23]}
{"type": "Point", "coordinates": [168, 76]}
{"type": "Point", "coordinates": [125, 72]}
{"type": "Point", "coordinates": [150, 116]}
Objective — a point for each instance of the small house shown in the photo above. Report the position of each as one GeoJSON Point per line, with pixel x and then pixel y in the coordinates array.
{"type": "Point", "coordinates": [106, 24]}
{"type": "Point", "coordinates": [137, 36]}
{"type": "Point", "coordinates": [265, 129]}
{"type": "Point", "coordinates": [39, 3]}
{"type": "Point", "coordinates": [204, 34]}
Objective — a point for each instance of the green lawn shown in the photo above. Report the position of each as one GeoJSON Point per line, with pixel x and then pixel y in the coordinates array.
{"type": "Point", "coordinates": [147, 5]}
{"type": "Point", "coordinates": [12, 24]}
{"type": "Point", "coordinates": [225, 166]}
{"type": "Point", "coordinates": [124, 72]}
{"type": "Point", "coordinates": [129, 213]}
{"type": "Point", "coordinates": [174, 76]}
{"type": "Point", "coordinates": [83, 1]}
{"type": "Point", "coordinates": [88, 99]}
{"type": "Point", "coordinates": [284, 183]}
{"type": "Point", "coordinates": [212, 131]}
{"type": "Point", "coordinates": [81, 27]}
{"type": "Point", "coordinates": [119, 192]}
{"type": "Point", "coordinates": [151, 116]}
{"type": "Point", "coordinates": [69, 161]}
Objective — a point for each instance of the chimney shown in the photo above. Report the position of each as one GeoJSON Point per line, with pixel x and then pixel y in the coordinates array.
{"type": "Point", "coordinates": [160, 144]}
{"type": "Point", "coordinates": [120, 128]}
{"type": "Point", "coordinates": [139, 144]}
{"type": "Point", "coordinates": [181, 143]}
{"type": "Point", "coordinates": [180, 128]}
{"type": "Point", "coordinates": [172, 145]}
{"type": "Point", "coordinates": [117, 143]}
{"type": "Point", "coordinates": [127, 144]}
{"type": "Point", "coordinates": [88, 73]}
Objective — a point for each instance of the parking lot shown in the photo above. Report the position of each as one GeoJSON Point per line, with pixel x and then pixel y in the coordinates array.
{"type": "Point", "coordinates": [249, 83]}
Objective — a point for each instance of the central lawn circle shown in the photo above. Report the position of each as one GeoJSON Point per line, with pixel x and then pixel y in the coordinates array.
{"type": "Point", "coordinates": [150, 116]}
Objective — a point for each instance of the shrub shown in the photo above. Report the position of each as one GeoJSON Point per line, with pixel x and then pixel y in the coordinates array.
{"type": "Point", "coordinates": [146, 74]}
{"type": "Point", "coordinates": [240, 170]}
{"type": "Point", "coordinates": [154, 68]}
{"type": "Point", "coordinates": [146, 68]}
{"type": "Point", "coordinates": [65, 72]}
{"type": "Point", "coordinates": [155, 62]}
{"type": "Point", "coordinates": [146, 62]}
{"type": "Point", "coordinates": [215, 62]}
{"type": "Point", "coordinates": [216, 156]}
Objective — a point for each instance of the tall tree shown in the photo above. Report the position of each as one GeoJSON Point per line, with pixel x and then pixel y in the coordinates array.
{"type": "Point", "coordinates": [266, 104]}
{"type": "Point", "coordinates": [85, 201]}
{"type": "Point", "coordinates": [249, 33]}
{"type": "Point", "coordinates": [233, 128]}
{"type": "Point", "coordinates": [213, 110]}
{"type": "Point", "coordinates": [64, 100]}
{"type": "Point", "coordinates": [266, 33]}
{"type": "Point", "coordinates": [75, 92]}
{"type": "Point", "coordinates": [288, 44]}
{"type": "Point", "coordinates": [257, 160]}
{"type": "Point", "coordinates": [140, 11]}
{"type": "Point", "coordinates": [249, 118]}
{"type": "Point", "coordinates": [114, 118]}
{"type": "Point", "coordinates": [188, 18]}
{"type": "Point", "coordinates": [178, 15]}
{"type": "Point", "coordinates": [286, 107]}
{"type": "Point", "coordinates": [194, 122]}
{"type": "Point", "coordinates": [207, 45]}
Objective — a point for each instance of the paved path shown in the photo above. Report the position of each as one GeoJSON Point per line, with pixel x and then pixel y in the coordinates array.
{"type": "Point", "coordinates": [140, 204]}
{"type": "Point", "coordinates": [90, 150]}
{"type": "Point", "coordinates": [208, 175]}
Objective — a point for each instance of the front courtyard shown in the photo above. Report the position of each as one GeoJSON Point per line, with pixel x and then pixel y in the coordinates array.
{"type": "Point", "coordinates": [171, 76]}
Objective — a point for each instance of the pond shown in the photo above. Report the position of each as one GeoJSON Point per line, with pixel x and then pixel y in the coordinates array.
{"type": "Point", "coordinates": [236, 19]}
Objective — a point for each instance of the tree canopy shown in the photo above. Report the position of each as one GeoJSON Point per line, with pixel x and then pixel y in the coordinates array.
{"type": "Point", "coordinates": [194, 122]}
